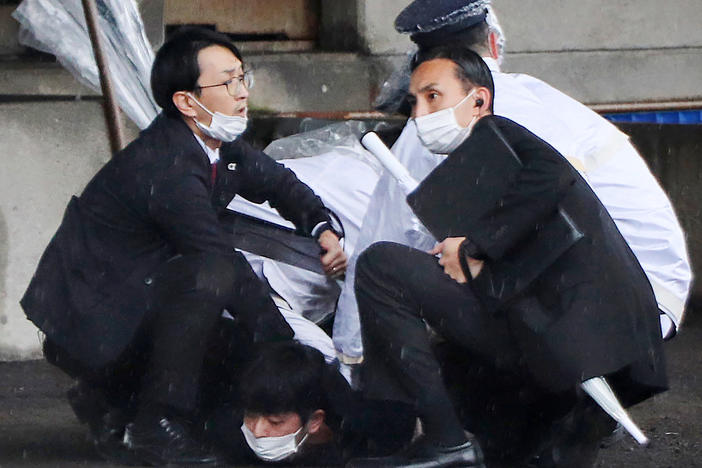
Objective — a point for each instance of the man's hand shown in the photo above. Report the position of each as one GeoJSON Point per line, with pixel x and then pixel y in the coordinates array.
{"type": "Point", "coordinates": [333, 258]}
{"type": "Point", "coordinates": [449, 259]}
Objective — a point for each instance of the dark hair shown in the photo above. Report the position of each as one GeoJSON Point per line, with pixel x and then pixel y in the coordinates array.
{"type": "Point", "coordinates": [283, 378]}
{"type": "Point", "coordinates": [471, 69]}
{"type": "Point", "coordinates": [176, 68]}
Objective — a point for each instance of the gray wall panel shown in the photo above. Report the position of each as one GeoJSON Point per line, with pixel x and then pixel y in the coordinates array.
{"type": "Point", "coordinates": [617, 76]}
{"type": "Point", "coordinates": [50, 151]}
{"type": "Point", "coordinates": [553, 25]}
{"type": "Point", "coordinates": [543, 25]}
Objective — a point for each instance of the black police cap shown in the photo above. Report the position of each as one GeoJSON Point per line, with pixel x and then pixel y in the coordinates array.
{"type": "Point", "coordinates": [431, 20]}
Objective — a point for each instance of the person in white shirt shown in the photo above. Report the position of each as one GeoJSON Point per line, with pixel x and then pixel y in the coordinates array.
{"type": "Point", "coordinates": [612, 166]}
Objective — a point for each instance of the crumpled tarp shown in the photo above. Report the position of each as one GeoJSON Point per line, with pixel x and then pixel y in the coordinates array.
{"type": "Point", "coordinates": [58, 27]}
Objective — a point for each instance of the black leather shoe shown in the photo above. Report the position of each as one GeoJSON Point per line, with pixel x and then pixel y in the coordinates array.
{"type": "Point", "coordinates": [421, 454]}
{"type": "Point", "coordinates": [90, 406]}
{"type": "Point", "coordinates": [576, 438]}
{"type": "Point", "coordinates": [165, 441]}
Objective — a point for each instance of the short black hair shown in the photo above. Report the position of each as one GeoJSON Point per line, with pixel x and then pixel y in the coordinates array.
{"type": "Point", "coordinates": [285, 378]}
{"type": "Point", "coordinates": [471, 69]}
{"type": "Point", "coordinates": [176, 68]}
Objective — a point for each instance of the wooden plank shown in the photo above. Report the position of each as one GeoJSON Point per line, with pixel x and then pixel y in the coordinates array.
{"type": "Point", "coordinates": [297, 19]}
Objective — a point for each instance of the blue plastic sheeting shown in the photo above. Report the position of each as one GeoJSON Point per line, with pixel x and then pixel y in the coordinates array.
{"type": "Point", "coordinates": [667, 117]}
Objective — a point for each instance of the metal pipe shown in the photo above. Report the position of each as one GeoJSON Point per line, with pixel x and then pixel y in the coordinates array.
{"type": "Point", "coordinates": [603, 108]}
{"type": "Point", "coordinates": [647, 106]}
{"type": "Point", "coordinates": [111, 109]}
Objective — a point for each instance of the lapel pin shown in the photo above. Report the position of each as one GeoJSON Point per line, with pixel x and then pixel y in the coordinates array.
{"type": "Point", "coordinates": [231, 166]}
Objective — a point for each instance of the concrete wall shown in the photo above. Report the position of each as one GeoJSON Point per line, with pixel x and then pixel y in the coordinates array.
{"type": "Point", "coordinates": [545, 25]}
{"type": "Point", "coordinates": [602, 52]}
{"type": "Point", "coordinates": [301, 82]}
{"type": "Point", "coordinates": [9, 45]}
{"type": "Point", "coordinates": [564, 25]}
{"type": "Point", "coordinates": [50, 151]}
{"type": "Point", "coordinates": [339, 26]}
{"type": "Point", "coordinates": [598, 51]}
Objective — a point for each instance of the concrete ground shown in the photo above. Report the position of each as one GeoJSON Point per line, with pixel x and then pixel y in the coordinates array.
{"type": "Point", "coordinates": [38, 429]}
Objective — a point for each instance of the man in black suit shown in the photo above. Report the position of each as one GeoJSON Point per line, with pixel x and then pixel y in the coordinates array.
{"type": "Point", "coordinates": [131, 288]}
{"type": "Point", "coordinates": [590, 313]}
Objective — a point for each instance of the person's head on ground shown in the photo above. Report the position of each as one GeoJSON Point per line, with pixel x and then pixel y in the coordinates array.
{"type": "Point", "coordinates": [199, 75]}
{"type": "Point", "coordinates": [451, 88]}
{"type": "Point", "coordinates": [284, 401]}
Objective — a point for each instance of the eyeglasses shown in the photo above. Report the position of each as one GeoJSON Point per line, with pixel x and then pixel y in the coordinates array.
{"type": "Point", "coordinates": [234, 84]}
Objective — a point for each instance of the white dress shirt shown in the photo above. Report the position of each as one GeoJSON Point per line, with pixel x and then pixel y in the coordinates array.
{"type": "Point", "coordinates": [212, 154]}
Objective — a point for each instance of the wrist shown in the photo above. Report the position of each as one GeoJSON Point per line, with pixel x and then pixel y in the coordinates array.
{"type": "Point", "coordinates": [333, 224]}
{"type": "Point", "coordinates": [319, 229]}
{"type": "Point", "coordinates": [469, 249]}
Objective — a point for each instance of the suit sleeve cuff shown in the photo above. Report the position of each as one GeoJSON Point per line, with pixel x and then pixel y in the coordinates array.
{"type": "Point", "coordinates": [320, 228]}
{"type": "Point", "coordinates": [333, 224]}
{"type": "Point", "coordinates": [469, 249]}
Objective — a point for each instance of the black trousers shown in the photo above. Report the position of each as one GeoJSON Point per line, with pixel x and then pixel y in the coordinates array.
{"type": "Point", "coordinates": [399, 289]}
{"type": "Point", "coordinates": [474, 362]}
{"type": "Point", "coordinates": [183, 333]}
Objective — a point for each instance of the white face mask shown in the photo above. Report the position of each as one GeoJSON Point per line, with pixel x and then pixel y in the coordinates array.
{"type": "Point", "coordinates": [274, 448]}
{"type": "Point", "coordinates": [224, 128]}
{"type": "Point", "coordinates": [440, 131]}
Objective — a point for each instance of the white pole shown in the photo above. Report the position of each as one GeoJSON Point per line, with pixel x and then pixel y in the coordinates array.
{"type": "Point", "coordinates": [601, 392]}
{"type": "Point", "coordinates": [372, 142]}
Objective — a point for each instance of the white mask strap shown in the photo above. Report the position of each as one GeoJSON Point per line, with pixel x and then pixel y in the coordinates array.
{"type": "Point", "coordinates": [200, 104]}
{"type": "Point", "coordinates": [472, 91]}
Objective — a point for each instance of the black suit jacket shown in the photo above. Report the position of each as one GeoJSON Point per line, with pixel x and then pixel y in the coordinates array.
{"type": "Point", "coordinates": [593, 311]}
{"type": "Point", "coordinates": [154, 200]}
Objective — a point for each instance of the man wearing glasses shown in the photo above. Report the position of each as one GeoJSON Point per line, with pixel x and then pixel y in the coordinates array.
{"type": "Point", "coordinates": [131, 289]}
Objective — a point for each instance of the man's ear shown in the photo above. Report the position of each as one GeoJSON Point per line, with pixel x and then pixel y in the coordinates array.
{"type": "Point", "coordinates": [483, 99]}
{"type": "Point", "coordinates": [184, 104]}
{"type": "Point", "coordinates": [492, 44]}
{"type": "Point", "coordinates": [315, 421]}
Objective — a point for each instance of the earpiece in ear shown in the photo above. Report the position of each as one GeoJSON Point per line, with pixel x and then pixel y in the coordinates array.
{"type": "Point", "coordinates": [479, 102]}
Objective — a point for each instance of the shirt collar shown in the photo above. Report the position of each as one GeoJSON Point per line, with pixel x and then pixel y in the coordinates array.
{"type": "Point", "coordinates": [212, 154]}
{"type": "Point", "coordinates": [492, 64]}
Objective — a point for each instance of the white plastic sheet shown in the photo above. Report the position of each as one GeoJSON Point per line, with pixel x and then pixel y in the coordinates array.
{"type": "Point", "coordinates": [393, 92]}
{"type": "Point", "coordinates": [389, 218]}
{"type": "Point", "coordinates": [58, 27]}
{"type": "Point", "coordinates": [342, 138]}
{"type": "Point", "coordinates": [333, 163]}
